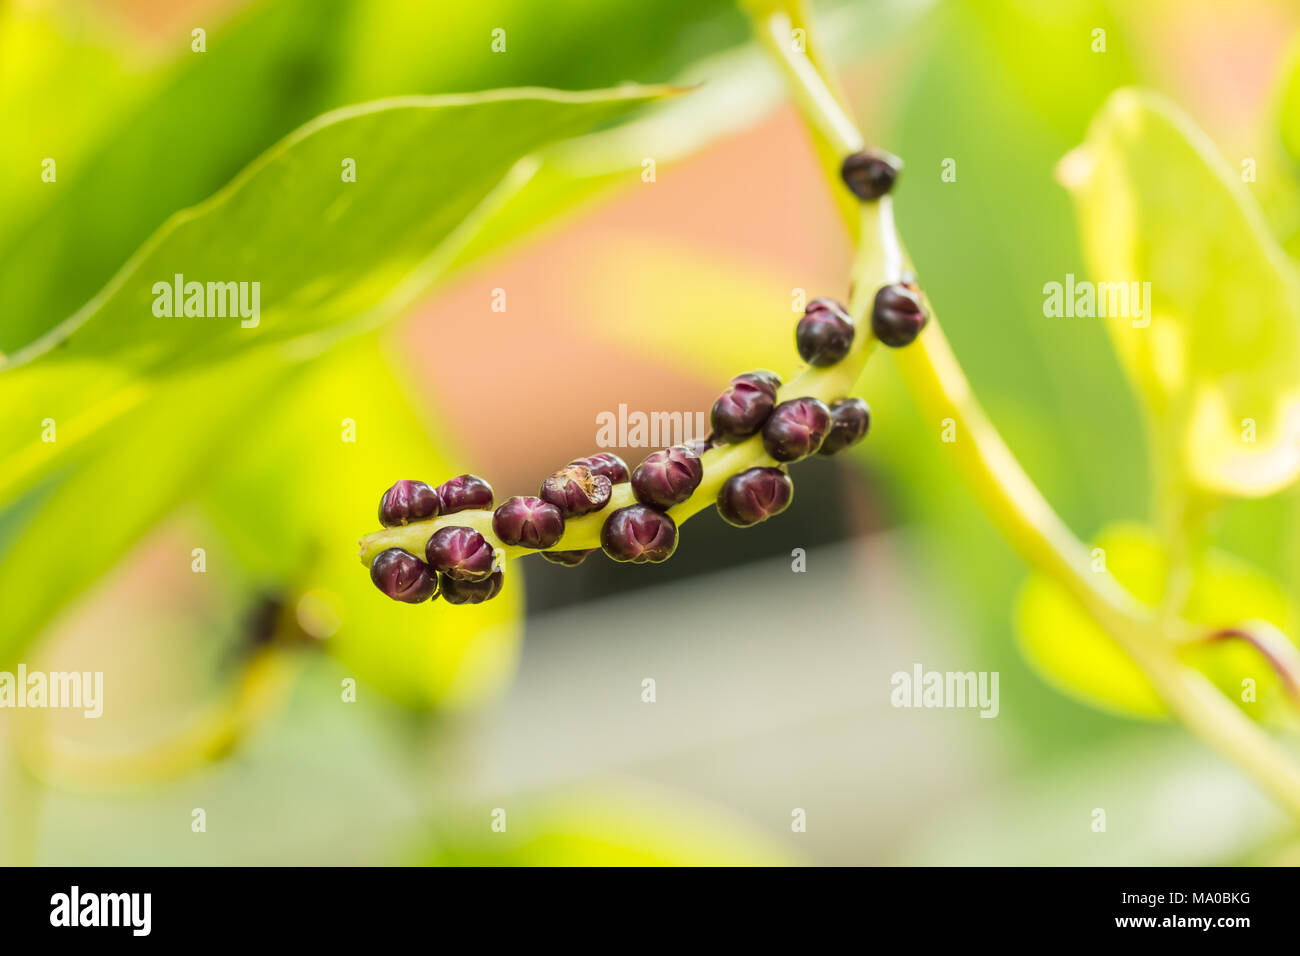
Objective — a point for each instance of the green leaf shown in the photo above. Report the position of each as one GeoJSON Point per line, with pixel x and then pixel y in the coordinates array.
{"type": "Point", "coordinates": [1071, 651]}
{"type": "Point", "coordinates": [1217, 359]}
{"type": "Point", "coordinates": [295, 493]}
{"type": "Point", "coordinates": [264, 74]}
{"type": "Point", "coordinates": [330, 257]}
{"type": "Point", "coordinates": [149, 461]}
{"type": "Point", "coordinates": [601, 825]}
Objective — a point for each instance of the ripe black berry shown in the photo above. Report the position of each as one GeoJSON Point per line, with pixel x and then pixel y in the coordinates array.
{"type": "Point", "coordinates": [471, 592]}
{"type": "Point", "coordinates": [824, 334]}
{"type": "Point", "coordinates": [754, 495]}
{"type": "Point", "coordinates": [403, 576]}
{"type": "Point", "coordinates": [850, 419]}
{"type": "Point", "coordinates": [408, 501]}
{"type": "Point", "coordinates": [460, 553]}
{"type": "Point", "coordinates": [898, 315]}
{"type": "Point", "coordinates": [463, 493]}
{"type": "Point", "coordinates": [605, 463]}
{"type": "Point", "coordinates": [575, 490]}
{"type": "Point", "coordinates": [529, 522]}
{"type": "Point", "coordinates": [870, 173]}
{"type": "Point", "coordinates": [639, 534]}
{"type": "Point", "coordinates": [667, 477]}
{"type": "Point", "coordinates": [741, 410]}
{"type": "Point", "coordinates": [570, 559]}
{"type": "Point", "coordinates": [796, 428]}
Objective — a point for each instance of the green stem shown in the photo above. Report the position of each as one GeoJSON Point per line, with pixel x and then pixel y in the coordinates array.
{"type": "Point", "coordinates": [1008, 495]}
{"type": "Point", "coordinates": [870, 271]}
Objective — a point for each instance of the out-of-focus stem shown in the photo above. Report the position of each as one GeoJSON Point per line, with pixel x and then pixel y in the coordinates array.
{"type": "Point", "coordinates": [1007, 494]}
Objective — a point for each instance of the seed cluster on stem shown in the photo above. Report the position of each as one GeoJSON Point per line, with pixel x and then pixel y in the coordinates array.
{"type": "Point", "coordinates": [760, 426]}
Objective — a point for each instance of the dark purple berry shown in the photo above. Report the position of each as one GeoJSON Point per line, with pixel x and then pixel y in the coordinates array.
{"type": "Point", "coordinates": [850, 419]}
{"type": "Point", "coordinates": [871, 173]}
{"type": "Point", "coordinates": [824, 334]}
{"type": "Point", "coordinates": [471, 592]}
{"type": "Point", "coordinates": [796, 428]}
{"type": "Point", "coordinates": [754, 495]}
{"type": "Point", "coordinates": [639, 534]}
{"type": "Point", "coordinates": [898, 316]}
{"type": "Point", "coordinates": [667, 477]}
{"type": "Point", "coordinates": [464, 493]}
{"type": "Point", "coordinates": [408, 501]}
{"type": "Point", "coordinates": [460, 553]}
{"type": "Point", "coordinates": [570, 559]}
{"type": "Point", "coordinates": [741, 410]}
{"type": "Point", "coordinates": [576, 490]}
{"type": "Point", "coordinates": [605, 463]}
{"type": "Point", "coordinates": [529, 522]}
{"type": "Point", "coordinates": [403, 576]}
{"type": "Point", "coordinates": [760, 378]}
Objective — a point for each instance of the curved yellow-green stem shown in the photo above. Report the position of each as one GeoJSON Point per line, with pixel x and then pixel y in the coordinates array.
{"type": "Point", "coordinates": [1005, 492]}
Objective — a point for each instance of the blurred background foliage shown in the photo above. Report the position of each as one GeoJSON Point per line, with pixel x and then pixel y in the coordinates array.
{"type": "Point", "coordinates": [648, 294]}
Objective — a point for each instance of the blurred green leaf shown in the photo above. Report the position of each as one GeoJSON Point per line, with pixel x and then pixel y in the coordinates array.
{"type": "Point", "coordinates": [331, 257]}
{"type": "Point", "coordinates": [171, 137]}
{"type": "Point", "coordinates": [1070, 650]}
{"type": "Point", "coordinates": [294, 495]}
{"type": "Point", "coordinates": [1219, 361]}
{"type": "Point", "coordinates": [599, 826]}
{"type": "Point", "coordinates": [97, 105]}
{"type": "Point", "coordinates": [98, 508]}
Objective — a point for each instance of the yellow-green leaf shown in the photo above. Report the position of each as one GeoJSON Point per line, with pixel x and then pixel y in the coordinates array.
{"type": "Point", "coordinates": [1217, 355]}
{"type": "Point", "coordinates": [305, 480]}
{"type": "Point", "coordinates": [1071, 651]}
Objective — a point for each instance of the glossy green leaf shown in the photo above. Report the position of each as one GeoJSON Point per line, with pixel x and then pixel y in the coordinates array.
{"type": "Point", "coordinates": [303, 481]}
{"type": "Point", "coordinates": [328, 256]}
{"type": "Point", "coordinates": [1216, 353]}
{"type": "Point", "coordinates": [1070, 650]}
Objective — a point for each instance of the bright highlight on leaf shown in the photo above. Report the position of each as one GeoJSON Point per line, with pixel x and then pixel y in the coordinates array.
{"type": "Point", "coordinates": [1217, 359]}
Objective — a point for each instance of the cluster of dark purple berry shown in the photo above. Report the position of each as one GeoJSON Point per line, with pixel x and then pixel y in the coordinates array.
{"type": "Point", "coordinates": [459, 562]}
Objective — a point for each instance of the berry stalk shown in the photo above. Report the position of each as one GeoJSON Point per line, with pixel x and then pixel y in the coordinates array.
{"type": "Point", "coordinates": [581, 533]}
{"type": "Point", "coordinates": [1005, 491]}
